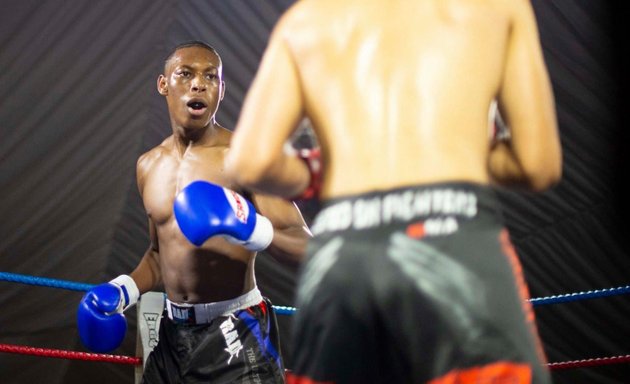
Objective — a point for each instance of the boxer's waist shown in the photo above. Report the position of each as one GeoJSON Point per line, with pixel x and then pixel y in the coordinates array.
{"type": "Point", "coordinates": [203, 313]}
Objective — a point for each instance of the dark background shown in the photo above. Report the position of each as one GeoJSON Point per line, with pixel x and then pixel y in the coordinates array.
{"type": "Point", "coordinates": [78, 105]}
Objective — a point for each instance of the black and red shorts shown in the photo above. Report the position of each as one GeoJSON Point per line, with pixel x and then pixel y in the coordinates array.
{"type": "Point", "coordinates": [240, 347]}
{"type": "Point", "coordinates": [414, 285]}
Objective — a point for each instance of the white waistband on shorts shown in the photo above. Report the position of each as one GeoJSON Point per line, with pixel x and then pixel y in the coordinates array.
{"type": "Point", "coordinates": [205, 312]}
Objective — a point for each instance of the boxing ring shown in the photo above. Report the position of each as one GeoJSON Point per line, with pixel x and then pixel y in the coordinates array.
{"type": "Point", "coordinates": [151, 304]}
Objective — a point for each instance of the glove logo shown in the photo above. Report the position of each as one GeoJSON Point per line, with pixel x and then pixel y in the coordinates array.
{"type": "Point", "coordinates": [238, 204]}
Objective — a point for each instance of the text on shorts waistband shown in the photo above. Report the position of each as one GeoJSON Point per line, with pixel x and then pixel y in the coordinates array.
{"type": "Point", "coordinates": [403, 205]}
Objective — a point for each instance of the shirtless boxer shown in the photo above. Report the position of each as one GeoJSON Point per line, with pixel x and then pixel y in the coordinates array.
{"type": "Point", "coordinates": [410, 276]}
{"type": "Point", "coordinates": [217, 327]}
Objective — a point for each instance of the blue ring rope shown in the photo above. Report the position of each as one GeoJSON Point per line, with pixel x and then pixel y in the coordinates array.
{"type": "Point", "coordinates": [283, 310]}
{"type": "Point", "coordinates": [72, 286]}
{"type": "Point", "coordinates": [580, 295]}
{"type": "Point", "coordinates": [44, 281]}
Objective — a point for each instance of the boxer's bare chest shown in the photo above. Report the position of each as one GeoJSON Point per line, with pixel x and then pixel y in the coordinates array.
{"type": "Point", "coordinates": [171, 172]}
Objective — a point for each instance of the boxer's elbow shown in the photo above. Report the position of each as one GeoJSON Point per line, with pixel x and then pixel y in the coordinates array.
{"type": "Point", "coordinates": [546, 173]}
{"type": "Point", "coordinates": [547, 181]}
{"type": "Point", "coordinates": [536, 170]}
{"type": "Point", "coordinates": [551, 178]}
{"type": "Point", "coordinates": [246, 170]}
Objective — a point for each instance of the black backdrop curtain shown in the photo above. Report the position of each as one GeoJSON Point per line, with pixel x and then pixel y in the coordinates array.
{"type": "Point", "coordinates": [78, 105]}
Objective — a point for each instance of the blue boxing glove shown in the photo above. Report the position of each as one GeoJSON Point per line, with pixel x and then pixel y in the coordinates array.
{"type": "Point", "coordinates": [203, 210]}
{"type": "Point", "coordinates": [102, 325]}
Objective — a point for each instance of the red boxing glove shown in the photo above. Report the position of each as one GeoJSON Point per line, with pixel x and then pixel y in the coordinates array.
{"type": "Point", "coordinates": [313, 160]}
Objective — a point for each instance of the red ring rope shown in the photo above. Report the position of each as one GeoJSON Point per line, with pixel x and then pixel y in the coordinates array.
{"type": "Point", "coordinates": [589, 362]}
{"type": "Point", "coordinates": [73, 355]}
{"type": "Point", "coordinates": [120, 359]}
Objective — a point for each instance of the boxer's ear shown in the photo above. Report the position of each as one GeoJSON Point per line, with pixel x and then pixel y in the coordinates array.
{"type": "Point", "coordinates": [162, 85]}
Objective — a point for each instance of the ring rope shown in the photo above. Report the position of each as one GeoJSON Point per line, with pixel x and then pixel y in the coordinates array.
{"type": "Point", "coordinates": [589, 362]}
{"type": "Point", "coordinates": [44, 281]}
{"type": "Point", "coordinates": [72, 355]}
{"type": "Point", "coordinates": [131, 360]}
{"type": "Point", "coordinates": [580, 295]}
{"type": "Point", "coordinates": [284, 310]}
{"type": "Point", "coordinates": [73, 286]}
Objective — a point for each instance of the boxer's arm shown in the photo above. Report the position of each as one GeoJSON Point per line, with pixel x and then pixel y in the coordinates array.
{"type": "Point", "coordinates": [272, 110]}
{"type": "Point", "coordinates": [147, 274]}
{"type": "Point", "coordinates": [504, 168]}
{"type": "Point", "coordinates": [290, 234]}
{"type": "Point", "coordinates": [526, 102]}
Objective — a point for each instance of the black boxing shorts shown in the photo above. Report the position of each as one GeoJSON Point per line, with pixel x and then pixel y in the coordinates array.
{"type": "Point", "coordinates": [414, 285]}
{"type": "Point", "coordinates": [198, 346]}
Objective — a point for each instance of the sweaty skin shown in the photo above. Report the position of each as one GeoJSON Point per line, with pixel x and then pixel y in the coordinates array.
{"type": "Point", "coordinates": [196, 150]}
{"type": "Point", "coordinates": [398, 93]}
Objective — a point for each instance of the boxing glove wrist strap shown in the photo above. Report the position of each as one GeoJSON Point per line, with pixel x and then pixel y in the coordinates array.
{"type": "Point", "coordinates": [262, 235]}
{"type": "Point", "coordinates": [129, 292]}
{"type": "Point", "coordinates": [260, 238]}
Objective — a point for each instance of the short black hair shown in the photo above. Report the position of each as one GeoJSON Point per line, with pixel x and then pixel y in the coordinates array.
{"type": "Point", "coordinates": [191, 43]}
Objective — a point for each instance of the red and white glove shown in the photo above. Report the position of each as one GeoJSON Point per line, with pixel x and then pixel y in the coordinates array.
{"type": "Point", "coordinates": [313, 160]}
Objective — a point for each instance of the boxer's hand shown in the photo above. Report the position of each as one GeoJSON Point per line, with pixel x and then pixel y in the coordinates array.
{"type": "Point", "coordinates": [203, 210]}
{"type": "Point", "coordinates": [102, 325]}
